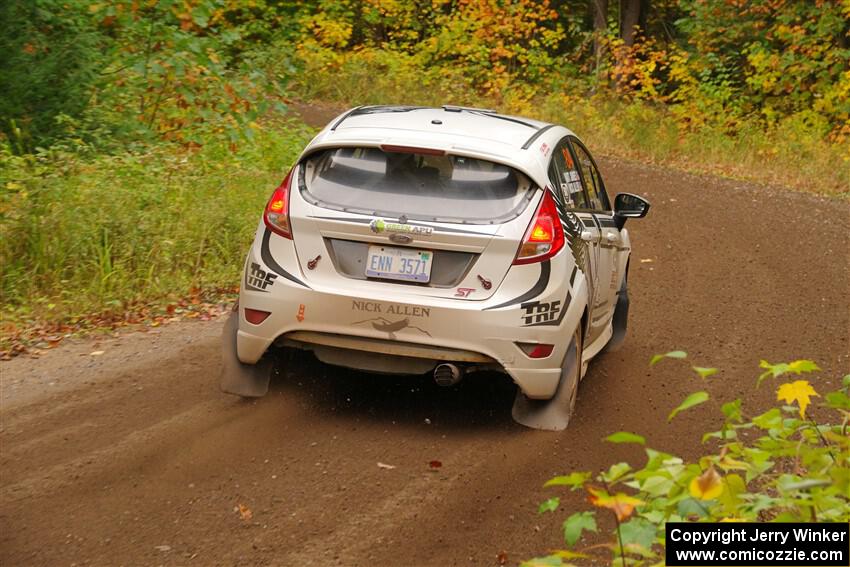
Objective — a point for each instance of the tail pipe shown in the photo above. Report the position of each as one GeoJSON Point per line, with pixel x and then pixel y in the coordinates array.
{"type": "Point", "coordinates": [447, 374]}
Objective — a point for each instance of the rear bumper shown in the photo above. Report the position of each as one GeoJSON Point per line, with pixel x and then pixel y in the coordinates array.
{"type": "Point", "coordinates": [538, 383]}
{"type": "Point", "coordinates": [428, 328]}
{"type": "Point", "coordinates": [492, 335]}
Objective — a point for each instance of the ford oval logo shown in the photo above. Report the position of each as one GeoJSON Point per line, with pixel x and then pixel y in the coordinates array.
{"type": "Point", "coordinates": [400, 238]}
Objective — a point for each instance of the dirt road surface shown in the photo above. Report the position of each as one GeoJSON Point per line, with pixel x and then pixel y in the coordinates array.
{"type": "Point", "coordinates": [133, 457]}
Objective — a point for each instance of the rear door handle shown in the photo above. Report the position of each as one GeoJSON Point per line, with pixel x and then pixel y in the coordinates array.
{"type": "Point", "coordinates": [586, 235]}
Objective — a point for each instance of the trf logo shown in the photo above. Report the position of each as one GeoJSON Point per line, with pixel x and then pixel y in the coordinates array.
{"type": "Point", "coordinates": [258, 279]}
{"type": "Point", "coordinates": [540, 312]}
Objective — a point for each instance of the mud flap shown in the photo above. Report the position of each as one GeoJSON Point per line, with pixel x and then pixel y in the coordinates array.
{"type": "Point", "coordinates": [247, 380]}
{"type": "Point", "coordinates": [620, 320]}
{"type": "Point", "coordinates": [552, 414]}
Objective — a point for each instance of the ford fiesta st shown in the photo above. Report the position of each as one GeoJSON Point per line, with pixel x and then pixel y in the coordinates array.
{"type": "Point", "coordinates": [439, 240]}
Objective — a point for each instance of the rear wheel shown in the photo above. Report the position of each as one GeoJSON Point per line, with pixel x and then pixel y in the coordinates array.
{"type": "Point", "coordinates": [555, 413]}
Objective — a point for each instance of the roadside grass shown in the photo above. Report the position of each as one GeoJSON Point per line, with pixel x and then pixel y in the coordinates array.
{"type": "Point", "coordinates": [82, 236]}
{"type": "Point", "coordinates": [792, 154]}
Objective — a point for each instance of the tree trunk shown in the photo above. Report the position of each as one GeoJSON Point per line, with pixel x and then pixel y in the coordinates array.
{"type": "Point", "coordinates": [630, 18]}
{"type": "Point", "coordinates": [600, 24]}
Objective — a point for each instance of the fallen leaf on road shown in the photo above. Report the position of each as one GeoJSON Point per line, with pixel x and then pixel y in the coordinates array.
{"type": "Point", "coordinates": [435, 465]}
{"type": "Point", "coordinates": [502, 558]}
{"type": "Point", "coordinates": [385, 466]}
{"type": "Point", "coordinates": [645, 260]}
{"type": "Point", "coordinates": [244, 512]}
{"type": "Point", "coordinates": [96, 353]}
{"type": "Point", "coordinates": [163, 548]}
{"type": "Point", "coordinates": [26, 335]}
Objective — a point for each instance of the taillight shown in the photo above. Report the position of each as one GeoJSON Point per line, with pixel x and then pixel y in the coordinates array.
{"type": "Point", "coordinates": [545, 235]}
{"type": "Point", "coordinates": [276, 215]}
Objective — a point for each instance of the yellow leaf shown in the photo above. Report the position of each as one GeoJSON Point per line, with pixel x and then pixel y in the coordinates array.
{"type": "Point", "coordinates": [621, 504]}
{"type": "Point", "coordinates": [707, 486]}
{"type": "Point", "coordinates": [799, 391]}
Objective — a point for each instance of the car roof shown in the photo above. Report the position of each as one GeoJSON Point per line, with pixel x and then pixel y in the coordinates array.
{"type": "Point", "coordinates": [520, 142]}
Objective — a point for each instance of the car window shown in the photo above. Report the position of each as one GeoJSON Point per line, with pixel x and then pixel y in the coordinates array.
{"type": "Point", "coordinates": [564, 174]}
{"type": "Point", "coordinates": [598, 200]}
{"type": "Point", "coordinates": [419, 186]}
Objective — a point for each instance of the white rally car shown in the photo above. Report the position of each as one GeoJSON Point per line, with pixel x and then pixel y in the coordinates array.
{"type": "Point", "coordinates": [439, 240]}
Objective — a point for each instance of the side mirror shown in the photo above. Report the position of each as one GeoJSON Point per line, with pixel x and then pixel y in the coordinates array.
{"type": "Point", "coordinates": [628, 206]}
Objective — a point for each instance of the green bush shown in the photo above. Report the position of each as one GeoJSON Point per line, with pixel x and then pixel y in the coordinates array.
{"type": "Point", "coordinates": [52, 54]}
{"type": "Point", "coordinates": [79, 235]}
{"type": "Point", "coordinates": [790, 463]}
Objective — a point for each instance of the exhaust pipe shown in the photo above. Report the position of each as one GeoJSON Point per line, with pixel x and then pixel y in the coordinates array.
{"type": "Point", "coordinates": [447, 374]}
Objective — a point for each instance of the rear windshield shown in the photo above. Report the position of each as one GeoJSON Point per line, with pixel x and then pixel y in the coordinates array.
{"type": "Point", "coordinates": [424, 187]}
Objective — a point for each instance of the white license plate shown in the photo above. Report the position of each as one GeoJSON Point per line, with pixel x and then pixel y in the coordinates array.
{"type": "Point", "coordinates": [407, 264]}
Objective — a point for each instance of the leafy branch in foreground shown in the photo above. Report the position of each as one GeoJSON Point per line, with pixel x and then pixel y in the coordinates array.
{"type": "Point", "coordinates": [782, 465]}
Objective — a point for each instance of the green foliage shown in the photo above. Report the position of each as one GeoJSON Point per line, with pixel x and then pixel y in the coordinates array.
{"type": "Point", "coordinates": [775, 370]}
{"type": "Point", "coordinates": [783, 465]}
{"type": "Point", "coordinates": [549, 505]}
{"type": "Point", "coordinates": [574, 480]}
{"type": "Point", "coordinates": [773, 58]}
{"type": "Point", "coordinates": [671, 354]}
{"type": "Point", "coordinates": [576, 524]}
{"type": "Point", "coordinates": [51, 60]}
{"type": "Point", "coordinates": [173, 69]}
{"type": "Point", "coordinates": [122, 71]}
{"type": "Point", "coordinates": [89, 235]}
{"type": "Point", "coordinates": [704, 372]}
{"type": "Point", "coordinates": [692, 400]}
{"type": "Point", "coordinates": [626, 437]}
